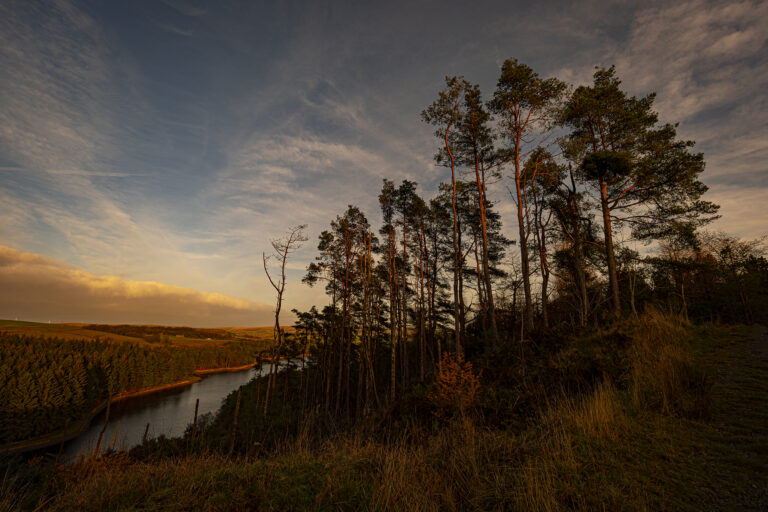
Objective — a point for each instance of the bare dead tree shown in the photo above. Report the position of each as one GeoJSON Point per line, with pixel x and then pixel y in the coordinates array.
{"type": "Point", "coordinates": [282, 247]}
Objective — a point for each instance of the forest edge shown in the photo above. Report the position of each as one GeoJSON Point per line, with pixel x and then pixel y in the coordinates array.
{"type": "Point", "coordinates": [79, 427]}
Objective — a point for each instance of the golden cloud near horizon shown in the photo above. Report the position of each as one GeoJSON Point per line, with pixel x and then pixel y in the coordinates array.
{"type": "Point", "coordinates": [37, 288]}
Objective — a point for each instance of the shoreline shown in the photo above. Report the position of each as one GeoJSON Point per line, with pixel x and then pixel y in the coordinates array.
{"type": "Point", "coordinates": [80, 426]}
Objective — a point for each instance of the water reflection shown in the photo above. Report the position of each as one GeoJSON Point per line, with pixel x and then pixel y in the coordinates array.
{"type": "Point", "coordinates": [167, 412]}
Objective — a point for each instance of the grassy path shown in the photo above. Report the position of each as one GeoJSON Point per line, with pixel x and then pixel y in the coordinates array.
{"type": "Point", "coordinates": [737, 457]}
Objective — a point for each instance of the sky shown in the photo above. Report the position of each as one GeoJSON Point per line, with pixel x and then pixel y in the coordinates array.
{"type": "Point", "coordinates": [149, 150]}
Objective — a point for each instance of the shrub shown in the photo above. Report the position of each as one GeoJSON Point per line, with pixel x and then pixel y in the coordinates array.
{"type": "Point", "coordinates": [456, 387]}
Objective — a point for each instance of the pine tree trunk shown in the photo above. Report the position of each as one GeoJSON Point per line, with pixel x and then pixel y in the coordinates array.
{"type": "Point", "coordinates": [524, 263]}
{"type": "Point", "coordinates": [480, 296]}
{"type": "Point", "coordinates": [544, 300]}
{"type": "Point", "coordinates": [609, 252]}
{"type": "Point", "coordinates": [347, 316]}
{"type": "Point", "coordinates": [405, 375]}
{"type": "Point", "coordinates": [486, 271]}
{"type": "Point", "coordinates": [422, 334]}
{"type": "Point", "coordinates": [528, 315]}
{"type": "Point", "coordinates": [462, 309]}
{"type": "Point", "coordinates": [392, 326]}
{"type": "Point", "coordinates": [542, 243]}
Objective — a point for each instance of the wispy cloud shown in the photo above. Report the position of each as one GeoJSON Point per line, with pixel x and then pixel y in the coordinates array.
{"type": "Point", "coordinates": [169, 141]}
{"type": "Point", "coordinates": [742, 209]}
{"type": "Point", "coordinates": [696, 53]}
{"type": "Point", "coordinates": [708, 64]}
{"type": "Point", "coordinates": [192, 9]}
{"type": "Point", "coordinates": [56, 87]}
{"type": "Point", "coordinates": [173, 29]}
{"type": "Point", "coordinates": [65, 127]}
{"type": "Point", "coordinates": [56, 117]}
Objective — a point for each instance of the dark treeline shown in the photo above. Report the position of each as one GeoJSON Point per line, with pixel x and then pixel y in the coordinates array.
{"type": "Point", "coordinates": [49, 383]}
{"type": "Point", "coordinates": [589, 172]}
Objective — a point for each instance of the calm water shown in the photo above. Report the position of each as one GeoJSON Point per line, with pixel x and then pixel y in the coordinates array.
{"type": "Point", "coordinates": [167, 412]}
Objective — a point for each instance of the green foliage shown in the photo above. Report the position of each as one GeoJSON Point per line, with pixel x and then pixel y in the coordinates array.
{"type": "Point", "coordinates": [649, 176]}
{"type": "Point", "coordinates": [519, 91]}
{"type": "Point", "coordinates": [609, 165]}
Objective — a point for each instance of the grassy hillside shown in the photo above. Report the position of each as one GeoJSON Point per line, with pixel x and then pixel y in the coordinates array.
{"type": "Point", "coordinates": [61, 331]}
{"type": "Point", "coordinates": [678, 420]}
{"type": "Point", "coordinates": [142, 334]}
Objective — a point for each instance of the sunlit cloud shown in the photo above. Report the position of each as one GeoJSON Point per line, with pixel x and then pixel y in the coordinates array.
{"type": "Point", "coordinates": [41, 289]}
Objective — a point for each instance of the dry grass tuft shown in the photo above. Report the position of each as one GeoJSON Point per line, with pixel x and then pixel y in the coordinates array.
{"type": "Point", "coordinates": [664, 376]}
{"type": "Point", "coordinates": [11, 492]}
{"type": "Point", "coordinates": [555, 467]}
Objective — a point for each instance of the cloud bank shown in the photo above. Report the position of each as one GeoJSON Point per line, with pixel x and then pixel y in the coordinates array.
{"type": "Point", "coordinates": [36, 288]}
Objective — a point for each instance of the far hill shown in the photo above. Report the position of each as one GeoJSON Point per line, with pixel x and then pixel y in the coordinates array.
{"type": "Point", "coordinates": [143, 334]}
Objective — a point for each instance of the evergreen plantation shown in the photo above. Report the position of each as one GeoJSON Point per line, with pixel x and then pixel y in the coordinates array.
{"type": "Point", "coordinates": [49, 383]}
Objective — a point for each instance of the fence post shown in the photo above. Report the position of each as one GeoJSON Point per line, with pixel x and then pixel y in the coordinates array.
{"type": "Point", "coordinates": [194, 421]}
{"type": "Point", "coordinates": [104, 428]}
{"type": "Point", "coordinates": [234, 423]}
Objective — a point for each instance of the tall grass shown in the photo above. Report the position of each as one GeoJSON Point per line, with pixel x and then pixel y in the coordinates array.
{"type": "Point", "coordinates": [571, 432]}
{"type": "Point", "coordinates": [664, 375]}
{"type": "Point", "coordinates": [461, 467]}
{"type": "Point", "coordinates": [11, 492]}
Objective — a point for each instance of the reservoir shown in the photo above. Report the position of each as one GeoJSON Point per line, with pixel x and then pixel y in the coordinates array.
{"type": "Point", "coordinates": [168, 412]}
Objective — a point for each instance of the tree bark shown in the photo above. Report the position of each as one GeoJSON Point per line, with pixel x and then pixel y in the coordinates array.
{"type": "Point", "coordinates": [609, 252]}
{"type": "Point", "coordinates": [486, 271]}
{"type": "Point", "coordinates": [404, 324]}
{"type": "Point", "coordinates": [422, 334]}
{"type": "Point", "coordinates": [462, 309]}
{"type": "Point", "coordinates": [524, 263]}
{"type": "Point", "coordinates": [392, 327]}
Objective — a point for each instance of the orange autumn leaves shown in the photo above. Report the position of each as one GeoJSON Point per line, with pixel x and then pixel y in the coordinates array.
{"type": "Point", "coordinates": [456, 387]}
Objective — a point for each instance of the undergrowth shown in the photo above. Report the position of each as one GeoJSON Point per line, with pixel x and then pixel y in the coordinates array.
{"type": "Point", "coordinates": [631, 440]}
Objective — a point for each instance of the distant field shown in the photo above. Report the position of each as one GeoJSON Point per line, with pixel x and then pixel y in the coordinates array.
{"type": "Point", "coordinates": [62, 331]}
{"type": "Point", "coordinates": [152, 335]}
